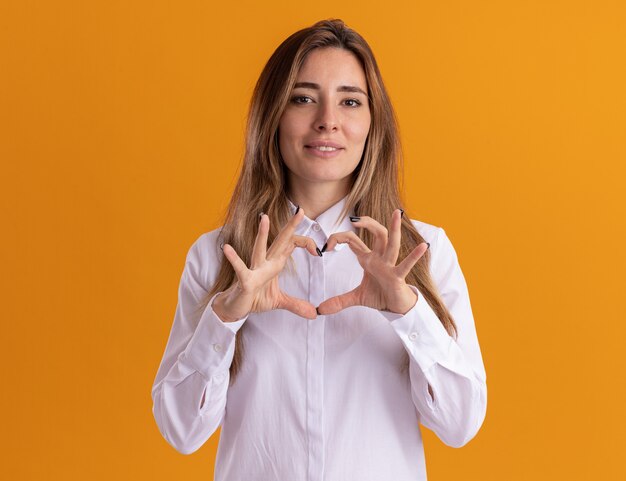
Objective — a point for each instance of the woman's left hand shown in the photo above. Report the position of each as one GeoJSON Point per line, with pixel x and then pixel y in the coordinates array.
{"type": "Point", "coordinates": [383, 286]}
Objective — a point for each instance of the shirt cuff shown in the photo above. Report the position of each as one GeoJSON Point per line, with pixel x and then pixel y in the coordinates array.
{"type": "Point", "coordinates": [212, 345]}
{"type": "Point", "coordinates": [421, 331]}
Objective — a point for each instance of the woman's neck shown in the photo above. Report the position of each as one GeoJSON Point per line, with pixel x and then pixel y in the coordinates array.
{"type": "Point", "coordinates": [317, 198]}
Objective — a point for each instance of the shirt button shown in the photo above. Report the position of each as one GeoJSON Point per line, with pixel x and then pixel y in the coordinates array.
{"type": "Point", "coordinates": [217, 347]}
{"type": "Point", "coordinates": [413, 336]}
{"type": "Point", "coordinates": [316, 227]}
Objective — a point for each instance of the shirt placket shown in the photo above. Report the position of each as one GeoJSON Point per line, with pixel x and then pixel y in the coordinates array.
{"type": "Point", "coordinates": [315, 362]}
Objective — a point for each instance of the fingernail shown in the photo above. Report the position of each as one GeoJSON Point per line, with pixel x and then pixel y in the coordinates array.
{"type": "Point", "coordinates": [261, 215]}
{"type": "Point", "coordinates": [355, 218]}
{"type": "Point", "coordinates": [297, 209]}
{"type": "Point", "coordinates": [401, 213]}
{"type": "Point", "coordinates": [222, 245]}
{"type": "Point", "coordinates": [428, 245]}
{"type": "Point", "coordinates": [319, 253]}
{"type": "Point", "coordinates": [324, 248]}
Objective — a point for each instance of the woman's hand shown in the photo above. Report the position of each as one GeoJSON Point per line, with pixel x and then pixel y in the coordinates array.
{"type": "Point", "coordinates": [256, 288]}
{"type": "Point", "coordinates": [383, 286]}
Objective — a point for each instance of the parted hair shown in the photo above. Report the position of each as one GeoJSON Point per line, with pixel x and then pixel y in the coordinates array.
{"type": "Point", "coordinates": [262, 183]}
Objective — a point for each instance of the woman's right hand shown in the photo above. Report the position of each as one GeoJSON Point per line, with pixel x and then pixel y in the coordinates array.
{"type": "Point", "coordinates": [256, 288]}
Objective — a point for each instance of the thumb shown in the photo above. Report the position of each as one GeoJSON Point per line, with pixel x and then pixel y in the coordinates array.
{"type": "Point", "coordinates": [297, 306]}
{"type": "Point", "coordinates": [338, 303]}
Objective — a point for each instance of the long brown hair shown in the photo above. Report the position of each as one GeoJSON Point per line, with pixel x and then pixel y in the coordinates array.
{"type": "Point", "coordinates": [262, 184]}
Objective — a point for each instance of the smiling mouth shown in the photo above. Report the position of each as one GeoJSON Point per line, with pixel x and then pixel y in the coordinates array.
{"type": "Point", "coordinates": [324, 148]}
{"type": "Point", "coordinates": [323, 151]}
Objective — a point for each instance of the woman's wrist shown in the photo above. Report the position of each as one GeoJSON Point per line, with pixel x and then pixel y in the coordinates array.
{"type": "Point", "coordinates": [404, 302]}
{"type": "Point", "coordinates": [221, 311]}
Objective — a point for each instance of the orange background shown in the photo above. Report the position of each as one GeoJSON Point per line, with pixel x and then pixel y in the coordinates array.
{"type": "Point", "coordinates": [121, 137]}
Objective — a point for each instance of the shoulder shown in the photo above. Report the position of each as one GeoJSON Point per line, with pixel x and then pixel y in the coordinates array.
{"type": "Point", "coordinates": [436, 235]}
{"type": "Point", "coordinates": [204, 257]}
{"type": "Point", "coordinates": [428, 231]}
{"type": "Point", "coordinates": [442, 252]}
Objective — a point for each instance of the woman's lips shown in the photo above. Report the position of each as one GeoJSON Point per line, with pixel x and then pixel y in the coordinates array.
{"type": "Point", "coordinates": [324, 154]}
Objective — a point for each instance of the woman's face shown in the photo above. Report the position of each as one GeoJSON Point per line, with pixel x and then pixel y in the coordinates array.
{"type": "Point", "coordinates": [328, 107]}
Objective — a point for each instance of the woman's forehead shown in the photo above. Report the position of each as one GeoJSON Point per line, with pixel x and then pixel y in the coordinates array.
{"type": "Point", "coordinates": [331, 65]}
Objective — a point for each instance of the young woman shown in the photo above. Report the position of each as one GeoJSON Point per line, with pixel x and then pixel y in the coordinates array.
{"type": "Point", "coordinates": [320, 325]}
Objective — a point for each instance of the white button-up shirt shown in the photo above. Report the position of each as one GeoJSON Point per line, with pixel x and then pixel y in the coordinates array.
{"type": "Point", "coordinates": [323, 399]}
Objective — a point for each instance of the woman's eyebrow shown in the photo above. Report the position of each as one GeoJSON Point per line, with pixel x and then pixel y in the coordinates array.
{"type": "Point", "coordinates": [342, 88]}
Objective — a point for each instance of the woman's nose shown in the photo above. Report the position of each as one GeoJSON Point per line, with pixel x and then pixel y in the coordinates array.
{"type": "Point", "coordinates": [326, 120]}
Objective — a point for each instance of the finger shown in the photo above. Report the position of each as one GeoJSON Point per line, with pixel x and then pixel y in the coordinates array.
{"type": "Point", "coordinates": [377, 229]}
{"type": "Point", "coordinates": [297, 306]}
{"type": "Point", "coordinates": [304, 242]}
{"type": "Point", "coordinates": [283, 239]}
{"type": "Point", "coordinates": [296, 241]}
{"type": "Point", "coordinates": [260, 243]}
{"type": "Point", "coordinates": [393, 246]}
{"type": "Point", "coordinates": [354, 241]}
{"type": "Point", "coordinates": [338, 303]}
{"type": "Point", "coordinates": [238, 265]}
{"type": "Point", "coordinates": [403, 269]}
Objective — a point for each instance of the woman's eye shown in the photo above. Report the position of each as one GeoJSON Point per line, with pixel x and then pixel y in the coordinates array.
{"type": "Point", "coordinates": [303, 99]}
{"type": "Point", "coordinates": [300, 99]}
{"type": "Point", "coordinates": [355, 104]}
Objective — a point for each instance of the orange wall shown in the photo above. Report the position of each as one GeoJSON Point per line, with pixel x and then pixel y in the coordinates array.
{"type": "Point", "coordinates": [120, 139]}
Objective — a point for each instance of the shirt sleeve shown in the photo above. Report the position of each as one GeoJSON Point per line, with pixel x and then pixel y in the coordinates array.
{"type": "Point", "coordinates": [452, 368]}
{"type": "Point", "coordinates": [196, 362]}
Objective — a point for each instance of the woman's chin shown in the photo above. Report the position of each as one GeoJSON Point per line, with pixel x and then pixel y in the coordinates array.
{"type": "Point", "coordinates": [324, 177]}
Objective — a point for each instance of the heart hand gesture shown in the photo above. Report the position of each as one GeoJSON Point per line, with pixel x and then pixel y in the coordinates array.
{"type": "Point", "coordinates": [383, 286]}
{"type": "Point", "coordinates": [256, 288]}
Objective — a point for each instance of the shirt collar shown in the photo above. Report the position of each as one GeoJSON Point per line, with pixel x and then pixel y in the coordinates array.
{"type": "Point", "coordinates": [327, 220]}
